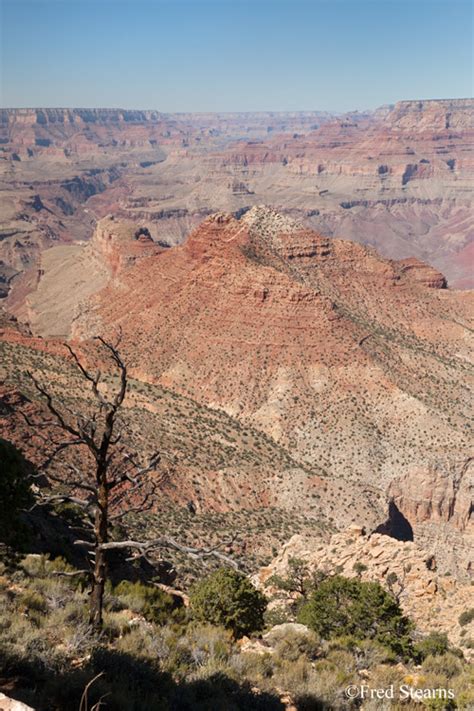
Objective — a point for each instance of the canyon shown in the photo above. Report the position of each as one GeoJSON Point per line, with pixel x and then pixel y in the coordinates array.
{"type": "Point", "coordinates": [292, 297]}
{"type": "Point", "coordinates": [398, 178]}
{"type": "Point", "coordinates": [346, 374]}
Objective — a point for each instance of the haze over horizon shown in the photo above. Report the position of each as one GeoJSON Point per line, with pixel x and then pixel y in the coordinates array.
{"type": "Point", "coordinates": [233, 56]}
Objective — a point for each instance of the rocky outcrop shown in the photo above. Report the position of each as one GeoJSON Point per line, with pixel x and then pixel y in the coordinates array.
{"type": "Point", "coordinates": [423, 273]}
{"type": "Point", "coordinates": [8, 704]}
{"type": "Point", "coordinates": [68, 277]}
{"type": "Point", "coordinates": [48, 117]}
{"type": "Point", "coordinates": [433, 600]}
{"type": "Point", "coordinates": [119, 243]}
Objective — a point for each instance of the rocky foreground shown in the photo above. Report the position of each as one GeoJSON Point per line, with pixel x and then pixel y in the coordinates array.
{"type": "Point", "coordinates": [433, 600]}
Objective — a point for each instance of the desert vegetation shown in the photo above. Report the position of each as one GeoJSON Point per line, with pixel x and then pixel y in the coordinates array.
{"type": "Point", "coordinates": [226, 649]}
{"type": "Point", "coordinates": [154, 654]}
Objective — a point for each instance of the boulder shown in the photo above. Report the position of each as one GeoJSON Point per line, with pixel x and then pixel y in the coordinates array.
{"type": "Point", "coordinates": [7, 704]}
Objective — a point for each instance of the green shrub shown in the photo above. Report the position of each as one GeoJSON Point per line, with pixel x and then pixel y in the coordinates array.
{"type": "Point", "coordinates": [464, 689]}
{"type": "Point", "coordinates": [292, 645]}
{"type": "Point", "coordinates": [447, 664]}
{"type": "Point", "coordinates": [369, 652]}
{"type": "Point", "coordinates": [154, 604]}
{"type": "Point", "coordinates": [228, 598]}
{"type": "Point", "coordinates": [276, 616]}
{"type": "Point", "coordinates": [299, 578]}
{"type": "Point", "coordinates": [466, 617]}
{"type": "Point", "coordinates": [30, 600]}
{"type": "Point", "coordinates": [293, 674]}
{"type": "Point", "coordinates": [324, 687]}
{"type": "Point", "coordinates": [209, 646]}
{"type": "Point", "coordinates": [434, 644]}
{"type": "Point", "coordinates": [342, 606]}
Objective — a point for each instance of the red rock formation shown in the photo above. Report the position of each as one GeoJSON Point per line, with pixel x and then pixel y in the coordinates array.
{"type": "Point", "coordinates": [423, 273]}
{"type": "Point", "coordinates": [351, 361]}
{"type": "Point", "coordinates": [348, 361]}
{"type": "Point", "coordinates": [437, 502]}
{"type": "Point", "coordinates": [119, 244]}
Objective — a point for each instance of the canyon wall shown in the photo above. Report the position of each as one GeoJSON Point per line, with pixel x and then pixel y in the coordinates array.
{"type": "Point", "coordinates": [399, 179]}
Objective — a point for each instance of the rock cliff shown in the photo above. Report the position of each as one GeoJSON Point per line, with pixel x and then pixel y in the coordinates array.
{"type": "Point", "coordinates": [432, 115]}
{"type": "Point", "coordinates": [437, 502]}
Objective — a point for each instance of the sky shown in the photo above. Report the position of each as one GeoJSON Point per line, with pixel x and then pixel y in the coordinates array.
{"type": "Point", "coordinates": [233, 55]}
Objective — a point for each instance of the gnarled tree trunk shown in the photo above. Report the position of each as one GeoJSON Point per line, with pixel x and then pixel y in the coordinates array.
{"type": "Point", "coordinates": [99, 574]}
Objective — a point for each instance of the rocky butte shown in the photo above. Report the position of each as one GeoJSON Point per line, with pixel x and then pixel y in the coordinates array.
{"type": "Point", "coordinates": [400, 180]}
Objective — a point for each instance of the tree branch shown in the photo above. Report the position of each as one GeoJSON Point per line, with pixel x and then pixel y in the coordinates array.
{"type": "Point", "coordinates": [72, 574]}
{"type": "Point", "coordinates": [120, 395]}
{"type": "Point", "coordinates": [60, 419]}
{"type": "Point", "coordinates": [45, 501]}
{"type": "Point", "coordinates": [125, 475]}
{"type": "Point", "coordinates": [60, 448]}
{"type": "Point", "coordinates": [145, 547]}
{"type": "Point", "coordinates": [94, 380]}
{"type": "Point", "coordinates": [72, 483]}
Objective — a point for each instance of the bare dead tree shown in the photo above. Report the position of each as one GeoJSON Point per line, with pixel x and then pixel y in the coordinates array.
{"type": "Point", "coordinates": [104, 483]}
{"type": "Point", "coordinates": [397, 584]}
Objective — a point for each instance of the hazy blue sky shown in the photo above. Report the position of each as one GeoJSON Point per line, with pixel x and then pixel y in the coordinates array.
{"type": "Point", "coordinates": [202, 55]}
